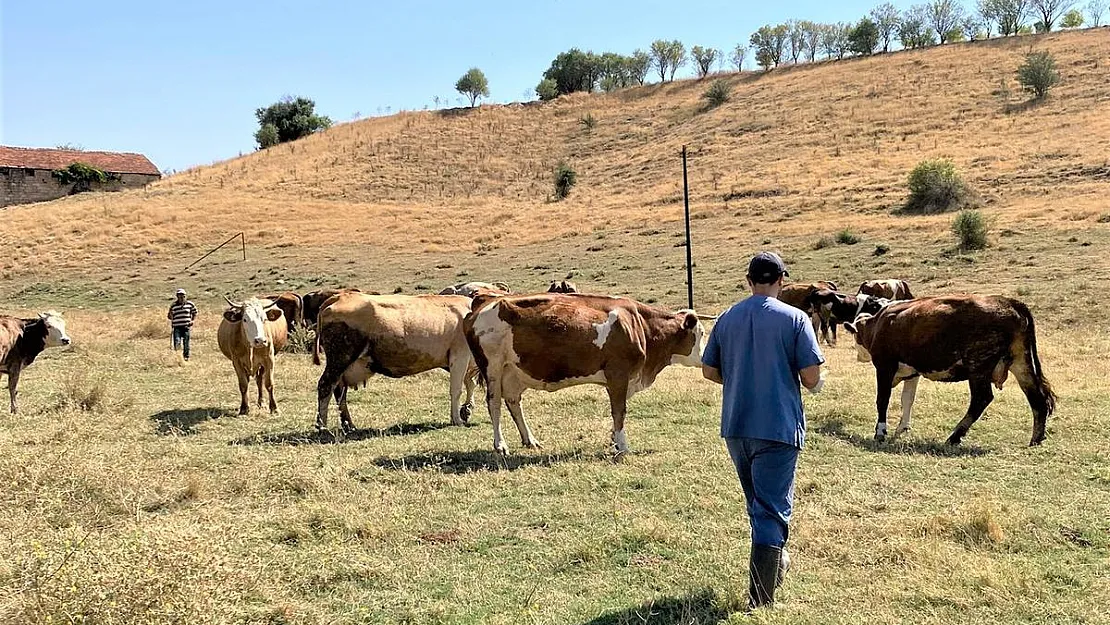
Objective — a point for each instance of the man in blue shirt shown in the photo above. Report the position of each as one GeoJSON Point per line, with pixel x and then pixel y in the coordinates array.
{"type": "Point", "coordinates": [759, 350]}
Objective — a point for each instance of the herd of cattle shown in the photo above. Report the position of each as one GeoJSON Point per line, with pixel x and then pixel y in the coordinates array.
{"type": "Point", "coordinates": [549, 341]}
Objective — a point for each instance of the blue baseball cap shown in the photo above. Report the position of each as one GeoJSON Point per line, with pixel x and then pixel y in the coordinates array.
{"type": "Point", "coordinates": [766, 268]}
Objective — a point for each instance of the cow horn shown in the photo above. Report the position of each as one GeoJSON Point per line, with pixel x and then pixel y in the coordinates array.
{"type": "Point", "coordinates": [707, 317]}
{"type": "Point", "coordinates": [231, 303]}
{"type": "Point", "coordinates": [270, 305]}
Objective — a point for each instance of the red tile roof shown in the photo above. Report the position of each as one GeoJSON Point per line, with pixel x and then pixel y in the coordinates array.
{"type": "Point", "coordinates": [46, 158]}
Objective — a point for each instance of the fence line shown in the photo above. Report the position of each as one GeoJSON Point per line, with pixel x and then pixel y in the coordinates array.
{"type": "Point", "coordinates": [241, 236]}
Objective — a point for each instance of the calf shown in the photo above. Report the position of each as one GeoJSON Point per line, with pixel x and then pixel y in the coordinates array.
{"type": "Point", "coordinates": [22, 340]}
{"type": "Point", "coordinates": [979, 339]}
{"type": "Point", "coordinates": [800, 296]}
{"type": "Point", "coordinates": [396, 336]}
{"type": "Point", "coordinates": [250, 333]}
{"type": "Point", "coordinates": [836, 308]}
{"type": "Point", "coordinates": [552, 341]}
{"type": "Point", "coordinates": [889, 289]}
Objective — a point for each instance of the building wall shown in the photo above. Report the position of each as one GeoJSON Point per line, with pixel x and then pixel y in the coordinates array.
{"type": "Point", "coordinates": [23, 186]}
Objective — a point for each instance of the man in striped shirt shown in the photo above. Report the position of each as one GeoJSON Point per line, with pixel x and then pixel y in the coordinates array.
{"type": "Point", "coordinates": [181, 316]}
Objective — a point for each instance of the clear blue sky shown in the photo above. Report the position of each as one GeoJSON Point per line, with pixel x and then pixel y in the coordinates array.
{"type": "Point", "coordinates": [179, 81]}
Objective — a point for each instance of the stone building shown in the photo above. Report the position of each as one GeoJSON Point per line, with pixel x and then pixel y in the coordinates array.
{"type": "Point", "coordinates": [27, 174]}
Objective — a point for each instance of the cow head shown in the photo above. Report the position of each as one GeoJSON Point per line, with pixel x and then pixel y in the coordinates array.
{"type": "Point", "coordinates": [55, 329]}
{"type": "Point", "coordinates": [562, 287]}
{"type": "Point", "coordinates": [863, 329]}
{"type": "Point", "coordinates": [691, 338]}
{"type": "Point", "coordinates": [252, 316]}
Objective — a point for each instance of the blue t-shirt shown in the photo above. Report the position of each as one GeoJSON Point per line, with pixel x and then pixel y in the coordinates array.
{"type": "Point", "coordinates": [760, 345]}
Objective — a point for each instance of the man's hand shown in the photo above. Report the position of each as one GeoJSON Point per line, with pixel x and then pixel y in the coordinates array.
{"type": "Point", "coordinates": [813, 378]}
{"type": "Point", "coordinates": [712, 374]}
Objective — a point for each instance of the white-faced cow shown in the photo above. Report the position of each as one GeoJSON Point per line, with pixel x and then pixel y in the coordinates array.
{"type": "Point", "coordinates": [250, 333]}
{"type": "Point", "coordinates": [396, 336]}
{"type": "Point", "coordinates": [552, 341]}
{"type": "Point", "coordinates": [22, 340]}
{"type": "Point", "coordinates": [835, 308]}
{"type": "Point", "coordinates": [951, 339]}
{"type": "Point", "coordinates": [888, 289]}
{"type": "Point", "coordinates": [800, 296]}
{"type": "Point", "coordinates": [562, 286]}
{"type": "Point", "coordinates": [470, 289]}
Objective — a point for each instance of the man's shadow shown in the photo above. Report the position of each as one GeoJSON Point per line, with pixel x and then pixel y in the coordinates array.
{"type": "Point", "coordinates": [179, 421]}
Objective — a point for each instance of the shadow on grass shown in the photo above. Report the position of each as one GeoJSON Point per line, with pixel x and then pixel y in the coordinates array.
{"type": "Point", "coordinates": [315, 437]}
{"type": "Point", "coordinates": [703, 606]}
{"type": "Point", "coordinates": [836, 429]}
{"type": "Point", "coordinates": [460, 462]}
{"type": "Point", "coordinates": [184, 420]}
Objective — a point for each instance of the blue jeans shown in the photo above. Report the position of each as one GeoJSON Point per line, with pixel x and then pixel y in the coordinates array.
{"type": "Point", "coordinates": [766, 471]}
{"type": "Point", "coordinates": [181, 337]}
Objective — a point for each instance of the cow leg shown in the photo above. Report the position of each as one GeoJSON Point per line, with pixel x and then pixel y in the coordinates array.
{"type": "Point", "coordinates": [832, 328]}
{"type": "Point", "coordinates": [459, 363]}
{"type": "Point", "coordinates": [493, 404]}
{"type": "Point", "coordinates": [909, 393]}
{"type": "Point", "coordinates": [467, 408]}
{"type": "Point", "coordinates": [269, 379]}
{"type": "Point", "coordinates": [258, 376]}
{"type": "Point", "coordinates": [527, 439]}
{"type": "Point", "coordinates": [13, 383]}
{"type": "Point", "coordinates": [884, 382]}
{"type": "Point", "coordinates": [981, 397]}
{"type": "Point", "coordinates": [345, 421]}
{"type": "Point", "coordinates": [244, 386]}
{"type": "Point", "coordinates": [618, 406]}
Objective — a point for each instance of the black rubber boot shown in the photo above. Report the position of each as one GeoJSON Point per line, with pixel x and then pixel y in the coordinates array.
{"type": "Point", "coordinates": [765, 569]}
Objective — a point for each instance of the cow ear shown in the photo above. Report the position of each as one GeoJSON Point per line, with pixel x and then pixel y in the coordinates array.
{"type": "Point", "coordinates": [851, 328]}
{"type": "Point", "coordinates": [690, 321]}
{"type": "Point", "coordinates": [273, 314]}
{"type": "Point", "coordinates": [233, 316]}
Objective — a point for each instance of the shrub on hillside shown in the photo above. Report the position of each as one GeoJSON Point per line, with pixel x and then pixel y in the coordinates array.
{"type": "Point", "coordinates": [267, 136]}
{"type": "Point", "coordinates": [588, 121]}
{"type": "Point", "coordinates": [847, 237]}
{"type": "Point", "coordinates": [293, 118]}
{"type": "Point", "coordinates": [970, 228]}
{"type": "Point", "coordinates": [547, 90]}
{"type": "Point", "coordinates": [717, 94]}
{"type": "Point", "coordinates": [1038, 73]}
{"type": "Point", "coordinates": [936, 187]}
{"type": "Point", "coordinates": [300, 341]}
{"type": "Point", "coordinates": [565, 179]}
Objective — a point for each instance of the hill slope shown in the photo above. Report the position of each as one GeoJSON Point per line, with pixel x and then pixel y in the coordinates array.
{"type": "Point", "coordinates": [796, 153]}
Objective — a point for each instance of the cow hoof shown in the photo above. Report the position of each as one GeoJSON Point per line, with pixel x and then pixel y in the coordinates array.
{"type": "Point", "coordinates": [900, 431]}
{"type": "Point", "coordinates": [244, 412]}
{"type": "Point", "coordinates": [501, 450]}
{"type": "Point", "coordinates": [952, 441]}
{"type": "Point", "coordinates": [879, 437]}
{"type": "Point", "coordinates": [464, 414]}
{"type": "Point", "coordinates": [532, 444]}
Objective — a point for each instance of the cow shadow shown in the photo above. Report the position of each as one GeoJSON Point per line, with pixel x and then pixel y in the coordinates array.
{"type": "Point", "coordinates": [901, 446]}
{"type": "Point", "coordinates": [328, 437]}
{"type": "Point", "coordinates": [703, 606]}
{"type": "Point", "coordinates": [180, 421]}
{"type": "Point", "coordinates": [462, 462]}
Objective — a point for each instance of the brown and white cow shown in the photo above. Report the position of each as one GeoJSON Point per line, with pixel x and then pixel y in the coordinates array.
{"type": "Point", "coordinates": [562, 286]}
{"type": "Point", "coordinates": [800, 296]}
{"type": "Point", "coordinates": [951, 339]}
{"type": "Point", "coordinates": [250, 333]}
{"type": "Point", "coordinates": [22, 340]}
{"type": "Point", "coordinates": [396, 336]}
{"type": "Point", "coordinates": [292, 308]}
{"type": "Point", "coordinates": [552, 341]}
{"type": "Point", "coordinates": [888, 289]}
{"type": "Point", "coordinates": [470, 289]}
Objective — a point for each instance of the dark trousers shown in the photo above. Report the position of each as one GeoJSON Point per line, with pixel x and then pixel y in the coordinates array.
{"type": "Point", "coordinates": [181, 338]}
{"type": "Point", "coordinates": [766, 471]}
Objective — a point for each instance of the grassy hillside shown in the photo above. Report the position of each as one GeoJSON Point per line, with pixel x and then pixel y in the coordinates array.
{"type": "Point", "coordinates": [133, 494]}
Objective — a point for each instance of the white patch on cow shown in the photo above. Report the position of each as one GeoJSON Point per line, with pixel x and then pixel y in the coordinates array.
{"type": "Point", "coordinates": [604, 328]}
{"type": "Point", "coordinates": [943, 376]}
{"type": "Point", "coordinates": [620, 440]}
{"type": "Point", "coordinates": [488, 320]}
{"type": "Point", "coordinates": [693, 358]}
{"type": "Point", "coordinates": [861, 301]}
{"type": "Point", "coordinates": [254, 323]}
{"type": "Point", "coordinates": [880, 430]}
{"type": "Point", "coordinates": [909, 393]}
{"type": "Point", "coordinates": [55, 329]}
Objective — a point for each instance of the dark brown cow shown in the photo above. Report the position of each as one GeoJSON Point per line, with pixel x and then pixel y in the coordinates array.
{"type": "Point", "coordinates": [313, 301]}
{"type": "Point", "coordinates": [292, 308]}
{"type": "Point", "coordinates": [799, 295]}
{"type": "Point", "coordinates": [552, 341]}
{"type": "Point", "coordinates": [562, 286]}
{"type": "Point", "coordinates": [888, 289]}
{"type": "Point", "coordinates": [951, 339]}
{"type": "Point", "coordinates": [22, 340]}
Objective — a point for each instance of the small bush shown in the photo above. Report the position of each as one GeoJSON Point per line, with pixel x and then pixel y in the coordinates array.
{"type": "Point", "coordinates": [80, 392]}
{"type": "Point", "coordinates": [300, 341]}
{"type": "Point", "coordinates": [847, 237]}
{"type": "Point", "coordinates": [823, 242]}
{"type": "Point", "coordinates": [881, 249]}
{"type": "Point", "coordinates": [935, 187]}
{"type": "Point", "coordinates": [970, 227]}
{"type": "Point", "coordinates": [1038, 73]}
{"type": "Point", "coordinates": [565, 179]}
{"type": "Point", "coordinates": [718, 93]}
{"type": "Point", "coordinates": [588, 121]}
{"type": "Point", "coordinates": [152, 329]}
{"type": "Point", "coordinates": [548, 89]}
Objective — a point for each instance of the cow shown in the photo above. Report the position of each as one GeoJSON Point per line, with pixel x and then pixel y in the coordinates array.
{"type": "Point", "coordinates": [835, 308]}
{"type": "Point", "coordinates": [396, 336]}
{"type": "Point", "coordinates": [979, 339]}
{"type": "Point", "coordinates": [470, 289]}
{"type": "Point", "coordinates": [292, 308]}
{"type": "Point", "coordinates": [313, 301]}
{"type": "Point", "coordinates": [250, 333]}
{"type": "Point", "coordinates": [22, 340]}
{"type": "Point", "coordinates": [799, 295]}
{"type": "Point", "coordinates": [889, 289]}
{"type": "Point", "coordinates": [562, 286]}
{"type": "Point", "coordinates": [551, 341]}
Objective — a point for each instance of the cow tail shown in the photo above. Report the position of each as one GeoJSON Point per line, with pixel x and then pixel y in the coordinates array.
{"type": "Point", "coordinates": [476, 352]}
{"type": "Point", "coordinates": [316, 347]}
{"type": "Point", "coordinates": [1041, 396]}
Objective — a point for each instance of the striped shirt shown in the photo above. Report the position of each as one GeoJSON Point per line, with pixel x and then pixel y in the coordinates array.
{"type": "Point", "coordinates": [182, 315]}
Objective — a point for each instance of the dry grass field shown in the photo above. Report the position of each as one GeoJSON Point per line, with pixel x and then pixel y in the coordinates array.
{"type": "Point", "coordinates": [132, 493]}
